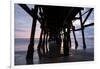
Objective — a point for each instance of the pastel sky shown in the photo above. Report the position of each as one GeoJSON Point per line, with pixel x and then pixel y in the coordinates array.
{"type": "Point", "coordinates": [23, 23]}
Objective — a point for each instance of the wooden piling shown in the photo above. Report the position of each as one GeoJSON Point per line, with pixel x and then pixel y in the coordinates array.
{"type": "Point", "coordinates": [46, 43]}
{"type": "Point", "coordinates": [43, 43]}
{"type": "Point", "coordinates": [82, 29]}
{"type": "Point", "coordinates": [40, 44]}
{"type": "Point", "coordinates": [29, 56]}
{"type": "Point", "coordinates": [76, 43]}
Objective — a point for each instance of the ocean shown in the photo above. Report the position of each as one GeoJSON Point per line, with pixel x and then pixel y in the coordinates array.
{"type": "Point", "coordinates": [21, 45]}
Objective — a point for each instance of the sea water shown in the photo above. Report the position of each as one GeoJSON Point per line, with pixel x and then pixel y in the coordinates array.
{"type": "Point", "coordinates": [21, 45]}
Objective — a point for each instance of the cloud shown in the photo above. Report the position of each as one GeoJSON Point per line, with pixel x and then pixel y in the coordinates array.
{"type": "Point", "coordinates": [19, 30]}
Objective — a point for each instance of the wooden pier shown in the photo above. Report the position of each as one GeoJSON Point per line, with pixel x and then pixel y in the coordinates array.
{"type": "Point", "coordinates": [54, 20]}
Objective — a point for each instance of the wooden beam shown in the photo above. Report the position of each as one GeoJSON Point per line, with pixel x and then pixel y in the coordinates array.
{"type": "Point", "coordinates": [25, 7]}
{"type": "Point", "coordinates": [85, 12]}
{"type": "Point", "coordinates": [75, 18]}
{"type": "Point", "coordinates": [87, 16]}
{"type": "Point", "coordinates": [91, 24]}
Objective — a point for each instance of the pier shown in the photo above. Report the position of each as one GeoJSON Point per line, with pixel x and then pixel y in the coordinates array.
{"type": "Point", "coordinates": [56, 23]}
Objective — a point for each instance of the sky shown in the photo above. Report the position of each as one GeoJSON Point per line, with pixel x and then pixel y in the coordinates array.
{"type": "Point", "coordinates": [23, 23]}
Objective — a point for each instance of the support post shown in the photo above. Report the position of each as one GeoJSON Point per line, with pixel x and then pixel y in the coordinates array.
{"type": "Point", "coordinates": [40, 44]}
{"type": "Point", "coordinates": [29, 56]}
{"type": "Point", "coordinates": [82, 29]}
{"type": "Point", "coordinates": [46, 43]}
{"type": "Point", "coordinates": [43, 43]}
{"type": "Point", "coordinates": [76, 43]}
{"type": "Point", "coordinates": [66, 41]}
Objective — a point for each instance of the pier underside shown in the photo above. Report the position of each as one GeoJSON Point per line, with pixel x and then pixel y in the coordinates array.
{"type": "Point", "coordinates": [56, 23]}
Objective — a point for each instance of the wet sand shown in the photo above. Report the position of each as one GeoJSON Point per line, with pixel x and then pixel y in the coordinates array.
{"type": "Point", "coordinates": [75, 56]}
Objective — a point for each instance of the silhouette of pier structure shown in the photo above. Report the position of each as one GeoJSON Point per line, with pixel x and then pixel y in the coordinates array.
{"type": "Point", "coordinates": [55, 21]}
